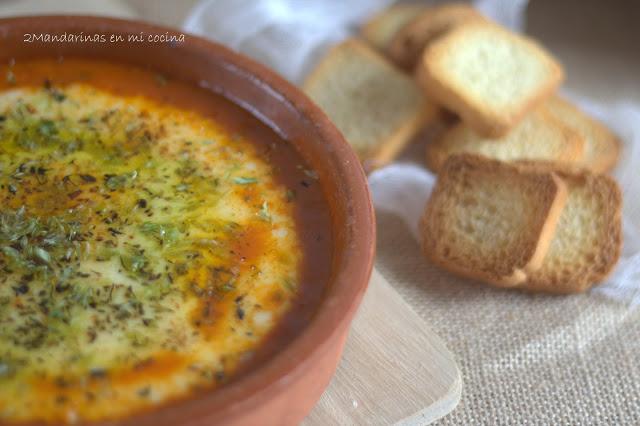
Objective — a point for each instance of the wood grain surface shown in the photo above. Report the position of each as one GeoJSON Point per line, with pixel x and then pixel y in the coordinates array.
{"type": "Point", "coordinates": [394, 368]}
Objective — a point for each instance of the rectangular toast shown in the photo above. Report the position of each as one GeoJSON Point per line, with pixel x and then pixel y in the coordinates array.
{"type": "Point", "coordinates": [380, 30]}
{"type": "Point", "coordinates": [376, 106]}
{"type": "Point", "coordinates": [407, 45]}
{"type": "Point", "coordinates": [602, 147]}
{"type": "Point", "coordinates": [588, 238]}
{"type": "Point", "coordinates": [540, 136]}
{"type": "Point", "coordinates": [489, 76]}
{"type": "Point", "coordinates": [490, 220]}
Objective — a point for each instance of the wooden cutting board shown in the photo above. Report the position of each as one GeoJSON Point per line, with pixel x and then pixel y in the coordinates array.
{"type": "Point", "coordinates": [394, 368]}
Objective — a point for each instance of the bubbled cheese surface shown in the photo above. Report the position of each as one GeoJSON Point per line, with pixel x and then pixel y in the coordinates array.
{"type": "Point", "coordinates": [145, 252]}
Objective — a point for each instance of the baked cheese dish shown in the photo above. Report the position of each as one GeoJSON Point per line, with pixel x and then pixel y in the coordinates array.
{"type": "Point", "coordinates": [147, 252]}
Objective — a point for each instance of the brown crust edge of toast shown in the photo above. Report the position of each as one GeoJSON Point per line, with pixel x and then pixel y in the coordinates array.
{"type": "Point", "coordinates": [549, 226]}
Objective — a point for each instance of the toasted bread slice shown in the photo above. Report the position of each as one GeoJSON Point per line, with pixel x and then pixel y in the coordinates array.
{"type": "Point", "coordinates": [490, 220]}
{"type": "Point", "coordinates": [588, 239]}
{"type": "Point", "coordinates": [376, 106]}
{"type": "Point", "coordinates": [489, 76]}
{"type": "Point", "coordinates": [602, 147]}
{"type": "Point", "coordinates": [380, 30]}
{"type": "Point", "coordinates": [406, 46]}
{"type": "Point", "coordinates": [539, 136]}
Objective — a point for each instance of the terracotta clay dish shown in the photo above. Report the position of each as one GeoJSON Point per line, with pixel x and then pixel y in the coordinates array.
{"type": "Point", "coordinates": [184, 236]}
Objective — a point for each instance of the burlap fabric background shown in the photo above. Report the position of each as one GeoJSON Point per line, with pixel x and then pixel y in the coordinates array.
{"type": "Point", "coordinates": [525, 359]}
{"type": "Point", "coordinates": [534, 359]}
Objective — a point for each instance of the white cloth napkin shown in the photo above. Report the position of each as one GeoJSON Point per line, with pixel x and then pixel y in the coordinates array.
{"type": "Point", "coordinates": [291, 35]}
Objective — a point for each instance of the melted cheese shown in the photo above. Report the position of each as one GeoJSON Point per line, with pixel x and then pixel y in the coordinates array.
{"type": "Point", "coordinates": [145, 251]}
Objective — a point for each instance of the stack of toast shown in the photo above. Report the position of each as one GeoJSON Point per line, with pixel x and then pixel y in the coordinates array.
{"type": "Point", "coordinates": [527, 224]}
{"type": "Point", "coordinates": [522, 199]}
